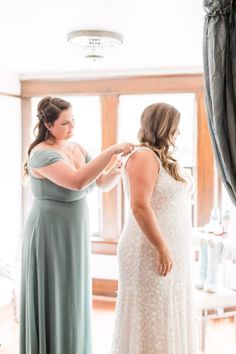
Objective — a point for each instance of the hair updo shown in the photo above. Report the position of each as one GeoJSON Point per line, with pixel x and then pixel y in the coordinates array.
{"type": "Point", "coordinates": [49, 108]}
{"type": "Point", "coordinates": [48, 111]}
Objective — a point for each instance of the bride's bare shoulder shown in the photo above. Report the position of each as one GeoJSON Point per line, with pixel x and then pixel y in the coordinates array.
{"type": "Point", "coordinates": [143, 154]}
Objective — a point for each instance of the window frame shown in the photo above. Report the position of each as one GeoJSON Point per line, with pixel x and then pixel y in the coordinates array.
{"type": "Point", "coordinates": [109, 90]}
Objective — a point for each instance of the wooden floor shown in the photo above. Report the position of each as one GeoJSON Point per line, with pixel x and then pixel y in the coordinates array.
{"type": "Point", "coordinates": [220, 334]}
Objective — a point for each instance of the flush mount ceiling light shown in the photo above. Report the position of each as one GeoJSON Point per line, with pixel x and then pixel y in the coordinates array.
{"type": "Point", "coordinates": [93, 44]}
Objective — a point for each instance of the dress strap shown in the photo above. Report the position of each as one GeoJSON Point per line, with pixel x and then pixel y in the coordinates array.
{"type": "Point", "coordinates": [139, 148]}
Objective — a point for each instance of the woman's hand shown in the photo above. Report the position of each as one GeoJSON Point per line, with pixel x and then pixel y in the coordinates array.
{"type": "Point", "coordinates": [116, 168]}
{"type": "Point", "coordinates": [164, 262]}
{"type": "Point", "coordinates": [111, 177]}
{"type": "Point", "coordinates": [123, 149]}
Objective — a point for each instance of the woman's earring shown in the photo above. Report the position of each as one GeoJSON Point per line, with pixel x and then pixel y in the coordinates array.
{"type": "Point", "coordinates": [47, 133]}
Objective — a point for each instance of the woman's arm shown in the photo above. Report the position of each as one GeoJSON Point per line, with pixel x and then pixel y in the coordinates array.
{"type": "Point", "coordinates": [109, 179]}
{"type": "Point", "coordinates": [142, 169]}
{"type": "Point", "coordinates": [62, 174]}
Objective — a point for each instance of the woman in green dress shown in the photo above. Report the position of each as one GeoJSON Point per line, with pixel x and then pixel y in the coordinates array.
{"type": "Point", "coordinates": [55, 282]}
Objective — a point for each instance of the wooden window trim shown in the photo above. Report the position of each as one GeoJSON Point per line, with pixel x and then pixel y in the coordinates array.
{"type": "Point", "coordinates": [115, 86]}
{"type": "Point", "coordinates": [104, 246]}
{"type": "Point", "coordinates": [205, 159]}
{"type": "Point", "coordinates": [105, 287]}
{"type": "Point", "coordinates": [111, 210]}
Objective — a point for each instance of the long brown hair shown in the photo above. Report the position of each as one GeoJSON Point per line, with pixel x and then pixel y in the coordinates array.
{"type": "Point", "coordinates": [159, 122]}
{"type": "Point", "coordinates": [48, 111]}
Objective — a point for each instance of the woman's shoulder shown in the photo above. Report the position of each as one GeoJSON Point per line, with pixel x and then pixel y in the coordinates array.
{"type": "Point", "coordinates": [44, 148]}
{"type": "Point", "coordinates": [70, 147]}
{"type": "Point", "coordinates": [40, 146]}
{"type": "Point", "coordinates": [142, 156]}
{"type": "Point", "coordinates": [143, 153]}
{"type": "Point", "coordinates": [41, 157]}
{"type": "Point", "coordinates": [76, 147]}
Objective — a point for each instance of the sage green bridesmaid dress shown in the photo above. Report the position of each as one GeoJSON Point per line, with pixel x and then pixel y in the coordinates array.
{"type": "Point", "coordinates": [55, 283]}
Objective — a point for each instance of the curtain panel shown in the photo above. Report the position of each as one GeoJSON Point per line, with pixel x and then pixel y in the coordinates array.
{"type": "Point", "coordinates": [219, 63]}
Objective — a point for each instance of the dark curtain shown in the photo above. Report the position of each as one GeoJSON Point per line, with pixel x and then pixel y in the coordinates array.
{"type": "Point", "coordinates": [219, 62]}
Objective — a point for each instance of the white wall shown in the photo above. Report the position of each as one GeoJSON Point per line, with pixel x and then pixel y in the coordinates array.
{"type": "Point", "coordinates": [9, 83]}
{"type": "Point", "coordinates": [10, 162]}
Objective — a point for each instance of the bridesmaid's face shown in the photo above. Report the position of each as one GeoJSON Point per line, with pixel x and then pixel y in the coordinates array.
{"type": "Point", "coordinates": [63, 127]}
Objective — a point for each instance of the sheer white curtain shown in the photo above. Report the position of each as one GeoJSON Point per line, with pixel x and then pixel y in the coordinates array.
{"type": "Point", "coordinates": [10, 176]}
{"type": "Point", "coordinates": [11, 202]}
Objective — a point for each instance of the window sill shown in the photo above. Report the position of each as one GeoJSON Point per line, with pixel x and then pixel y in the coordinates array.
{"type": "Point", "coordinates": [103, 246]}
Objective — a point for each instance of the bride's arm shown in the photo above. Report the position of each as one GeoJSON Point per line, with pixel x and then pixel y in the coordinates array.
{"type": "Point", "coordinates": [142, 169]}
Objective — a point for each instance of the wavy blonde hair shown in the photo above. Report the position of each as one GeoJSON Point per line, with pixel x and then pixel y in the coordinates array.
{"type": "Point", "coordinates": [159, 123]}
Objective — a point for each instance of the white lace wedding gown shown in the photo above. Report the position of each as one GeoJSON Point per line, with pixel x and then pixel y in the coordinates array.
{"type": "Point", "coordinates": [154, 314]}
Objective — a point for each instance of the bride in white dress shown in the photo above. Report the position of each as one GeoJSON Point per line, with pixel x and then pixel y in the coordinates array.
{"type": "Point", "coordinates": [154, 311]}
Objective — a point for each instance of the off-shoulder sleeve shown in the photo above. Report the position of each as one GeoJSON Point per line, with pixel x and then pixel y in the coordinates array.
{"type": "Point", "coordinates": [41, 158]}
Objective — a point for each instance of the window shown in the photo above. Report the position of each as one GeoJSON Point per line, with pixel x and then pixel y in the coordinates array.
{"type": "Point", "coordinates": [122, 102]}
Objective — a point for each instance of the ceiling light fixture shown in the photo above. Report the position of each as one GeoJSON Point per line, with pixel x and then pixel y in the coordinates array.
{"type": "Point", "coordinates": [93, 44]}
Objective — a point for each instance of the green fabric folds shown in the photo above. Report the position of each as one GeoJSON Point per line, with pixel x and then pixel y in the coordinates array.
{"type": "Point", "coordinates": [219, 54]}
{"type": "Point", "coordinates": [55, 283]}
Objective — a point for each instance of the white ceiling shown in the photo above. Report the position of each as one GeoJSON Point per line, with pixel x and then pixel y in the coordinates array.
{"type": "Point", "coordinates": [159, 36]}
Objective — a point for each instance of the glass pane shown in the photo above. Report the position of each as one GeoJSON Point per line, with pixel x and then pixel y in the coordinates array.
{"type": "Point", "coordinates": [87, 132]}
{"type": "Point", "coordinates": [131, 107]}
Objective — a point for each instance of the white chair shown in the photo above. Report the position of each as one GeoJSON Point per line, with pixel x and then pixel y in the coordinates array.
{"type": "Point", "coordinates": [221, 304]}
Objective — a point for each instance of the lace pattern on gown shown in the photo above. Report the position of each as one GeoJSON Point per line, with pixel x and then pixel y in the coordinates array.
{"type": "Point", "coordinates": [154, 314]}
